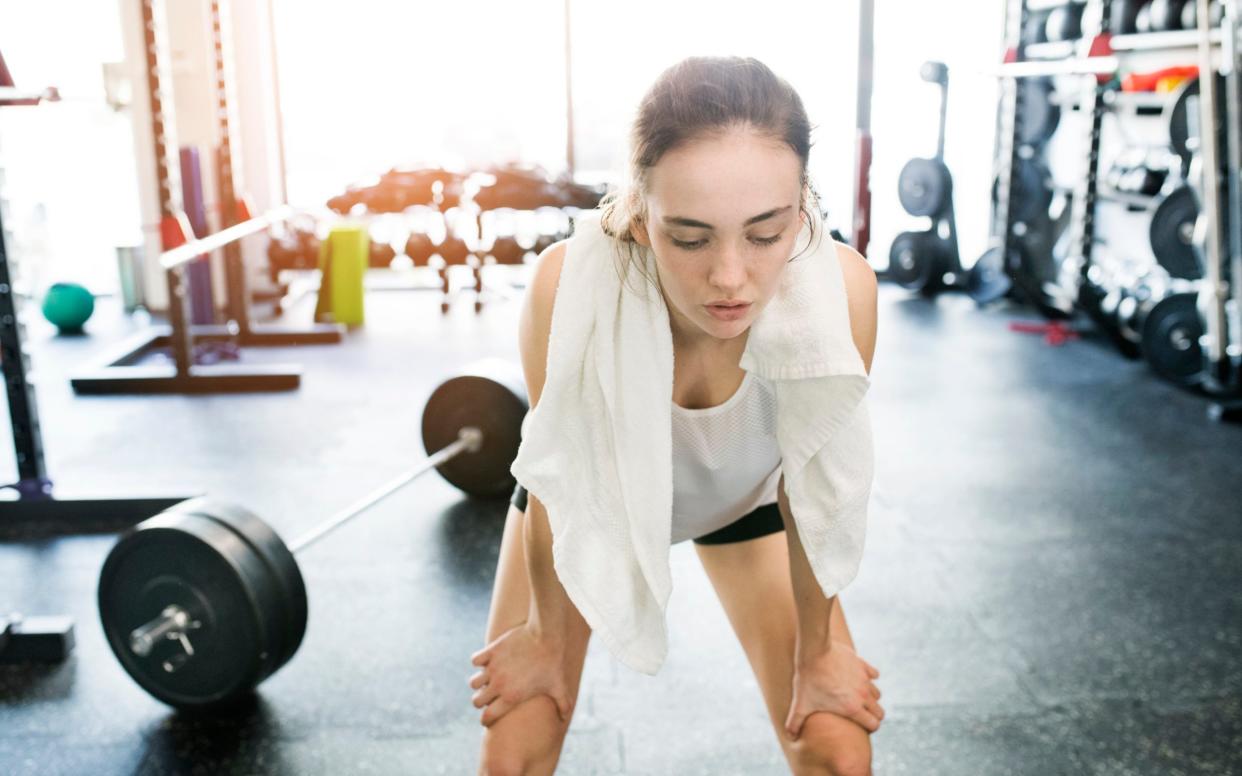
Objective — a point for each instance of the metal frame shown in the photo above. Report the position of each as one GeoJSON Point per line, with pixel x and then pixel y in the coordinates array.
{"type": "Point", "coordinates": [36, 512]}
{"type": "Point", "coordinates": [119, 372]}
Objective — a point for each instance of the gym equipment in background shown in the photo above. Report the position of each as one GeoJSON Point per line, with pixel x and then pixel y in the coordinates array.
{"type": "Point", "coordinates": [343, 260]}
{"type": "Point", "coordinates": [921, 260]}
{"type": "Point", "coordinates": [204, 601]}
{"type": "Point", "coordinates": [37, 511]}
{"type": "Point", "coordinates": [1171, 332]}
{"type": "Point", "coordinates": [68, 306]}
{"type": "Point", "coordinates": [198, 272]}
{"type": "Point", "coordinates": [1064, 22]}
{"type": "Point", "coordinates": [1172, 234]}
{"type": "Point", "coordinates": [35, 639]}
{"type": "Point", "coordinates": [120, 371]}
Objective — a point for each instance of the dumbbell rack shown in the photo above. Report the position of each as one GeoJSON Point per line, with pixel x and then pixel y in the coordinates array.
{"type": "Point", "coordinates": [119, 371]}
{"type": "Point", "coordinates": [1100, 55]}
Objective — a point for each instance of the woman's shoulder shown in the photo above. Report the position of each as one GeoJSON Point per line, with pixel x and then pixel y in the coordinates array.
{"type": "Point", "coordinates": [861, 291]}
{"type": "Point", "coordinates": [535, 321]}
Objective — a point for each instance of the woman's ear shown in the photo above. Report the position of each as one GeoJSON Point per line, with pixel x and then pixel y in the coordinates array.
{"type": "Point", "coordinates": [638, 231]}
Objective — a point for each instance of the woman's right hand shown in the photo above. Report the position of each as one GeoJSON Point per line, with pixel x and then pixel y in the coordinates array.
{"type": "Point", "coordinates": [520, 664]}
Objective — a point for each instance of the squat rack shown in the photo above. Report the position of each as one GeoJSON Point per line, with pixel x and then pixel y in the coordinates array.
{"type": "Point", "coordinates": [118, 371]}
{"type": "Point", "coordinates": [36, 509]}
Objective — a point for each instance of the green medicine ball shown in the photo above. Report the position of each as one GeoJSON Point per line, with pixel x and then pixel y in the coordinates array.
{"type": "Point", "coordinates": [68, 306]}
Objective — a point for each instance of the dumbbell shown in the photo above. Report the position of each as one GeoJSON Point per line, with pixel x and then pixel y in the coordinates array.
{"type": "Point", "coordinates": [204, 601]}
{"type": "Point", "coordinates": [453, 249]}
{"type": "Point", "coordinates": [419, 248]}
{"type": "Point", "coordinates": [380, 254]}
{"type": "Point", "coordinates": [507, 250]}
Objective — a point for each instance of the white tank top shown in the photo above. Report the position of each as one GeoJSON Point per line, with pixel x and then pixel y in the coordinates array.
{"type": "Point", "coordinates": [726, 461]}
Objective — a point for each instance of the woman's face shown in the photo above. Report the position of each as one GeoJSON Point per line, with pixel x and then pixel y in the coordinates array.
{"type": "Point", "coordinates": [723, 217]}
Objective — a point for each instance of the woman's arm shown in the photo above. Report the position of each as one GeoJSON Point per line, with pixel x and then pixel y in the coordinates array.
{"type": "Point", "coordinates": [814, 610]}
{"type": "Point", "coordinates": [550, 607]}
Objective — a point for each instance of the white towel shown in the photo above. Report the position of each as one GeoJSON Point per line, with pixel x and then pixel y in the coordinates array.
{"type": "Point", "coordinates": [597, 448]}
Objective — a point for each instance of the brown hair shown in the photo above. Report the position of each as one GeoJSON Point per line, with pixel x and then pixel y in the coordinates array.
{"type": "Point", "coordinates": [695, 98]}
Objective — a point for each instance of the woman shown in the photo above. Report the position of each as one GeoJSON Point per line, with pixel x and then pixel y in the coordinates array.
{"type": "Point", "coordinates": [719, 192]}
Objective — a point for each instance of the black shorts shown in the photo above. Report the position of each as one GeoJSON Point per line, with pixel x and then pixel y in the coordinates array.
{"type": "Point", "coordinates": [760, 521]}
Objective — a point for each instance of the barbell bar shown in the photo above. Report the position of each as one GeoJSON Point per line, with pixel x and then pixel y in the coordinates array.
{"type": "Point", "coordinates": [204, 601]}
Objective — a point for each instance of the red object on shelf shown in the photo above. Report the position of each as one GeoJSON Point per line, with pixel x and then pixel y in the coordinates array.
{"type": "Point", "coordinates": [1101, 46]}
{"type": "Point", "coordinates": [1147, 82]}
{"type": "Point", "coordinates": [175, 230]}
{"type": "Point", "coordinates": [1055, 332]}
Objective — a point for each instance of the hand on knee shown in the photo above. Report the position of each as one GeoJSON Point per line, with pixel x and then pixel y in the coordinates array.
{"type": "Point", "coordinates": [824, 750]}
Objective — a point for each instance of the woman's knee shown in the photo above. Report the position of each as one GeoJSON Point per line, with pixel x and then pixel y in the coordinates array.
{"type": "Point", "coordinates": [525, 741]}
{"type": "Point", "coordinates": [831, 745]}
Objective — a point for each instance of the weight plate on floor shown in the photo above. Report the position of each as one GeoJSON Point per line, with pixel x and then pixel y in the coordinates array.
{"type": "Point", "coordinates": [1172, 234]}
{"type": "Point", "coordinates": [489, 395]}
{"type": "Point", "coordinates": [986, 282]}
{"type": "Point", "coordinates": [203, 567]}
{"type": "Point", "coordinates": [916, 261]}
{"type": "Point", "coordinates": [280, 561]}
{"type": "Point", "coordinates": [1171, 339]}
{"type": "Point", "coordinates": [1038, 116]}
{"type": "Point", "coordinates": [924, 186]}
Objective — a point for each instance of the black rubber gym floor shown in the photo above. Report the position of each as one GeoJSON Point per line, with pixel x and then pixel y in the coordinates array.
{"type": "Point", "coordinates": [1052, 582]}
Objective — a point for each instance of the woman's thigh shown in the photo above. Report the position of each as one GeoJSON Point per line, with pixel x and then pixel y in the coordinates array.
{"type": "Point", "coordinates": [752, 581]}
{"type": "Point", "coordinates": [528, 739]}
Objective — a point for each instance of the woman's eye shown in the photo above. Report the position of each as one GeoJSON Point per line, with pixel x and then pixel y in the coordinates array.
{"type": "Point", "coordinates": [690, 246]}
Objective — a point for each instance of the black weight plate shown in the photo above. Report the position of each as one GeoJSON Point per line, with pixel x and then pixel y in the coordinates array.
{"type": "Point", "coordinates": [270, 547]}
{"type": "Point", "coordinates": [1166, 15]}
{"type": "Point", "coordinates": [1190, 14]}
{"type": "Point", "coordinates": [1172, 234]}
{"type": "Point", "coordinates": [1030, 196]}
{"type": "Point", "coordinates": [1036, 27]}
{"type": "Point", "coordinates": [1091, 300]}
{"type": "Point", "coordinates": [917, 261]}
{"type": "Point", "coordinates": [924, 187]}
{"type": "Point", "coordinates": [204, 567]}
{"type": "Point", "coordinates": [1171, 339]}
{"type": "Point", "coordinates": [1065, 22]}
{"type": "Point", "coordinates": [987, 281]}
{"type": "Point", "coordinates": [1038, 116]}
{"type": "Point", "coordinates": [1125, 16]}
{"type": "Point", "coordinates": [1183, 123]}
{"type": "Point", "coordinates": [491, 396]}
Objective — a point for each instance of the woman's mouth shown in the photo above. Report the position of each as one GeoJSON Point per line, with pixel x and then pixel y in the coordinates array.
{"type": "Point", "coordinates": [723, 312]}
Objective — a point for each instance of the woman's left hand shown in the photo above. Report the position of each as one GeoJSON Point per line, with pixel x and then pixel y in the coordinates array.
{"type": "Point", "coordinates": [838, 681]}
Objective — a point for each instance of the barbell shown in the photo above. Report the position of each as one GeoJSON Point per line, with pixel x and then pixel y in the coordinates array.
{"type": "Point", "coordinates": [204, 601]}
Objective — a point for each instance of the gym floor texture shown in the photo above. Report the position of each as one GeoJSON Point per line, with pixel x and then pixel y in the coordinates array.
{"type": "Point", "coordinates": [1052, 581]}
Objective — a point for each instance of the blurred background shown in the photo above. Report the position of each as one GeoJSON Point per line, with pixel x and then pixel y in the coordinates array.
{"type": "Point", "coordinates": [275, 252]}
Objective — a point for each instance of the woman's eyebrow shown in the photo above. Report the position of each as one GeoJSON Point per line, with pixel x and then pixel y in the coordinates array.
{"type": "Point", "coordinates": [683, 221]}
